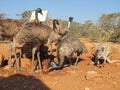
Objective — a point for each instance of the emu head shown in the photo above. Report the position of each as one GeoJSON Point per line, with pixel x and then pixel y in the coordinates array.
{"type": "Point", "coordinates": [52, 64]}
{"type": "Point", "coordinates": [56, 25]}
{"type": "Point", "coordinates": [59, 27]}
{"type": "Point", "coordinates": [39, 10]}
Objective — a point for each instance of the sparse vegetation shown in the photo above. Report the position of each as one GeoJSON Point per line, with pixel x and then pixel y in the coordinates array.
{"type": "Point", "coordinates": [107, 28]}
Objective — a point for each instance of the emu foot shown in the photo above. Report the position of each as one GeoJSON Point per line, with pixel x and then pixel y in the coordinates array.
{"type": "Point", "coordinates": [41, 71]}
{"type": "Point", "coordinates": [19, 68]}
{"type": "Point", "coordinates": [38, 69]}
{"type": "Point", "coordinates": [11, 67]}
{"type": "Point", "coordinates": [74, 68]}
{"type": "Point", "coordinates": [33, 71]}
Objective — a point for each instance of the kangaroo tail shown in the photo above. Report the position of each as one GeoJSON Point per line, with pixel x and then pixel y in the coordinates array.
{"type": "Point", "coordinates": [113, 61]}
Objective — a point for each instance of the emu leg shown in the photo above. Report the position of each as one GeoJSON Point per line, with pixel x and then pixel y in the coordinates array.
{"type": "Point", "coordinates": [10, 47]}
{"type": "Point", "coordinates": [75, 65]}
{"type": "Point", "coordinates": [49, 43]}
{"type": "Point", "coordinates": [33, 57]}
{"type": "Point", "coordinates": [40, 63]}
{"type": "Point", "coordinates": [17, 60]}
{"type": "Point", "coordinates": [51, 52]}
{"type": "Point", "coordinates": [10, 63]}
{"type": "Point", "coordinates": [13, 50]}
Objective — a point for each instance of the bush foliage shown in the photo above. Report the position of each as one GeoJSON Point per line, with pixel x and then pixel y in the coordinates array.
{"type": "Point", "coordinates": [107, 28]}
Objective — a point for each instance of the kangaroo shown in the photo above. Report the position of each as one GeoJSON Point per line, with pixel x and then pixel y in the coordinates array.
{"type": "Point", "coordinates": [102, 52]}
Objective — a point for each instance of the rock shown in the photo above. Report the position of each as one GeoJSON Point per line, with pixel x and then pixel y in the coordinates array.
{"type": "Point", "coordinates": [91, 75]}
{"type": "Point", "coordinates": [86, 88]}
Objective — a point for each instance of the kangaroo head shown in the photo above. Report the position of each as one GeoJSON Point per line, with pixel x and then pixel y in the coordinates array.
{"type": "Point", "coordinates": [100, 53]}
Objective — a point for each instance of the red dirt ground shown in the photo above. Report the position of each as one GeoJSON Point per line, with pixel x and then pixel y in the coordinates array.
{"type": "Point", "coordinates": [86, 77]}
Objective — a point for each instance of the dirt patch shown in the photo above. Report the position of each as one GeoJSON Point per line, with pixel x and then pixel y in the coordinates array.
{"type": "Point", "coordinates": [86, 77]}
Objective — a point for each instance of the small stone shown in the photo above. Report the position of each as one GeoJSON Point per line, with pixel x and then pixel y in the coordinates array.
{"type": "Point", "coordinates": [6, 67]}
{"type": "Point", "coordinates": [91, 75]}
{"type": "Point", "coordinates": [86, 88]}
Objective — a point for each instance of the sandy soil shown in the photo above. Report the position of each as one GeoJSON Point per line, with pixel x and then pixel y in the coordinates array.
{"type": "Point", "coordinates": [86, 77]}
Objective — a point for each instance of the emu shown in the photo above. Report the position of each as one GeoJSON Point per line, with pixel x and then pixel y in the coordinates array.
{"type": "Point", "coordinates": [8, 28]}
{"type": "Point", "coordinates": [37, 34]}
{"type": "Point", "coordinates": [66, 48]}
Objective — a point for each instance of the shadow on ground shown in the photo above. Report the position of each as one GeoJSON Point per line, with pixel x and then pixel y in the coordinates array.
{"type": "Point", "coordinates": [21, 82]}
